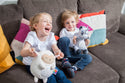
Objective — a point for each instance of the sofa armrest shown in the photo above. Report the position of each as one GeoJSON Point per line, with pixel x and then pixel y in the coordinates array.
{"type": "Point", "coordinates": [122, 25]}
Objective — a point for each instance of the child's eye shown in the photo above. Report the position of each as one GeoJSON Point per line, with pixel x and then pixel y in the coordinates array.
{"type": "Point", "coordinates": [67, 22]}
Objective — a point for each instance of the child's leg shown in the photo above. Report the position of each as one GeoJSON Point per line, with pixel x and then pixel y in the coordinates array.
{"type": "Point", "coordinates": [60, 77]}
{"type": "Point", "coordinates": [83, 61]}
{"type": "Point", "coordinates": [67, 68]}
{"type": "Point", "coordinates": [63, 44]}
{"type": "Point", "coordinates": [52, 79]}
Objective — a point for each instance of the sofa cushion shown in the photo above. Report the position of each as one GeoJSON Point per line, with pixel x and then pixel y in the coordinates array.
{"type": "Point", "coordinates": [113, 53]}
{"type": "Point", "coordinates": [54, 7]}
{"type": "Point", "coordinates": [110, 6]}
{"type": "Point", "coordinates": [95, 72]}
{"type": "Point", "coordinates": [6, 60]}
{"type": "Point", "coordinates": [16, 74]}
{"type": "Point", "coordinates": [122, 24]}
{"type": "Point", "coordinates": [17, 43]}
{"type": "Point", "coordinates": [10, 16]}
{"type": "Point", "coordinates": [10, 29]}
{"type": "Point", "coordinates": [9, 13]}
{"type": "Point", "coordinates": [96, 24]}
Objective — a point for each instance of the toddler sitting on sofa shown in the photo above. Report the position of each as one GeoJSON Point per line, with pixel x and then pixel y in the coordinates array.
{"type": "Point", "coordinates": [69, 21]}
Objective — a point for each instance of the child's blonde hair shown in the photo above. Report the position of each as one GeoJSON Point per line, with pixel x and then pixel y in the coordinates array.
{"type": "Point", "coordinates": [67, 14]}
{"type": "Point", "coordinates": [35, 19]}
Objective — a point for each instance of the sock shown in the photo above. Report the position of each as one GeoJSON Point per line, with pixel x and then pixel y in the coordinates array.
{"type": "Point", "coordinates": [75, 68]}
{"type": "Point", "coordinates": [65, 59]}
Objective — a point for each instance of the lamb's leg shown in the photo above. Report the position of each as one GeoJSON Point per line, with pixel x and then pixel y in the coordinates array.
{"type": "Point", "coordinates": [85, 51]}
{"type": "Point", "coordinates": [45, 80]}
{"type": "Point", "coordinates": [35, 79]}
{"type": "Point", "coordinates": [77, 50]}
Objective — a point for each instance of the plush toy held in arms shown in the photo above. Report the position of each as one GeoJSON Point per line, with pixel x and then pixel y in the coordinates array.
{"type": "Point", "coordinates": [80, 40]}
{"type": "Point", "coordinates": [43, 65]}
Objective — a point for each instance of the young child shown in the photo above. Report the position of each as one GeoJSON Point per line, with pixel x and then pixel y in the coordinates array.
{"type": "Point", "coordinates": [66, 41]}
{"type": "Point", "coordinates": [41, 38]}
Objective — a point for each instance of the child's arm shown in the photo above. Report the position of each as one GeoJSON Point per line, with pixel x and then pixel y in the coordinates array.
{"type": "Point", "coordinates": [27, 51]}
{"type": "Point", "coordinates": [57, 51]}
{"type": "Point", "coordinates": [87, 41]}
{"type": "Point", "coordinates": [74, 40]}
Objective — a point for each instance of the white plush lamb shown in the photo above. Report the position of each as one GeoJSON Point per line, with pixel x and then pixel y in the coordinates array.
{"type": "Point", "coordinates": [43, 65]}
{"type": "Point", "coordinates": [80, 40]}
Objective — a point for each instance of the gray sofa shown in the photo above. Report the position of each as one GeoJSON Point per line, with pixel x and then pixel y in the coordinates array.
{"type": "Point", "coordinates": [108, 65]}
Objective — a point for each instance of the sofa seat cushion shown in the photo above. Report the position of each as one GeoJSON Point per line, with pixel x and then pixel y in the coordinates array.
{"type": "Point", "coordinates": [113, 53]}
{"type": "Point", "coordinates": [95, 72]}
{"type": "Point", "coordinates": [16, 74]}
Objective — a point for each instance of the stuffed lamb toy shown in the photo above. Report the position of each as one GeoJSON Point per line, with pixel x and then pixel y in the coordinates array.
{"type": "Point", "coordinates": [43, 65]}
{"type": "Point", "coordinates": [80, 40]}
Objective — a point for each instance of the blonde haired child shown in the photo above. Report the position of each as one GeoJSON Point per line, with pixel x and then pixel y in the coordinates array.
{"type": "Point", "coordinates": [41, 38]}
{"type": "Point", "coordinates": [66, 41]}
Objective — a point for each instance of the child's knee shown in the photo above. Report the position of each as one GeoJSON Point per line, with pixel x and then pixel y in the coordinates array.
{"type": "Point", "coordinates": [64, 39]}
{"type": "Point", "coordinates": [89, 59]}
{"type": "Point", "coordinates": [60, 75]}
{"type": "Point", "coordinates": [51, 79]}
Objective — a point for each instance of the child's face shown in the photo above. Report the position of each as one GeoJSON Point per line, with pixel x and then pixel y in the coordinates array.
{"type": "Point", "coordinates": [70, 24]}
{"type": "Point", "coordinates": [44, 26]}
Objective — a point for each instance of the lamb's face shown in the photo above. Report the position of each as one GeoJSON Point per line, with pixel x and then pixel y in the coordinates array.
{"type": "Point", "coordinates": [43, 64]}
{"type": "Point", "coordinates": [49, 59]}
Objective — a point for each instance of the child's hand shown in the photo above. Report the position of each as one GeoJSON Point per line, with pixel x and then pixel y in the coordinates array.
{"type": "Point", "coordinates": [87, 41]}
{"type": "Point", "coordinates": [32, 52]}
{"type": "Point", "coordinates": [61, 55]}
{"type": "Point", "coordinates": [58, 54]}
{"type": "Point", "coordinates": [74, 40]}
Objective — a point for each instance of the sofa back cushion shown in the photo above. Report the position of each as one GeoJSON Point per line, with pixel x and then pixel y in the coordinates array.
{"type": "Point", "coordinates": [10, 16]}
{"type": "Point", "coordinates": [9, 13]}
{"type": "Point", "coordinates": [122, 24]}
{"type": "Point", "coordinates": [10, 29]}
{"type": "Point", "coordinates": [54, 7]}
{"type": "Point", "coordinates": [112, 10]}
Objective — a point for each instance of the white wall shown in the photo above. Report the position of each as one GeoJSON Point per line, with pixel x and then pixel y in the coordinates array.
{"type": "Point", "coordinates": [4, 2]}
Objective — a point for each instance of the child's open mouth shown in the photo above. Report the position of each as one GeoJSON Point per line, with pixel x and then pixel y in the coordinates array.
{"type": "Point", "coordinates": [47, 29]}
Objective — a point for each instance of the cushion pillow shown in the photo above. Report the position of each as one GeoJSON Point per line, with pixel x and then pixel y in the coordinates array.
{"type": "Point", "coordinates": [92, 14]}
{"type": "Point", "coordinates": [17, 42]}
{"type": "Point", "coordinates": [6, 60]}
{"type": "Point", "coordinates": [96, 23]}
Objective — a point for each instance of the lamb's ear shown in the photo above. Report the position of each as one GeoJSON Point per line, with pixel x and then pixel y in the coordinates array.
{"type": "Point", "coordinates": [80, 27]}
